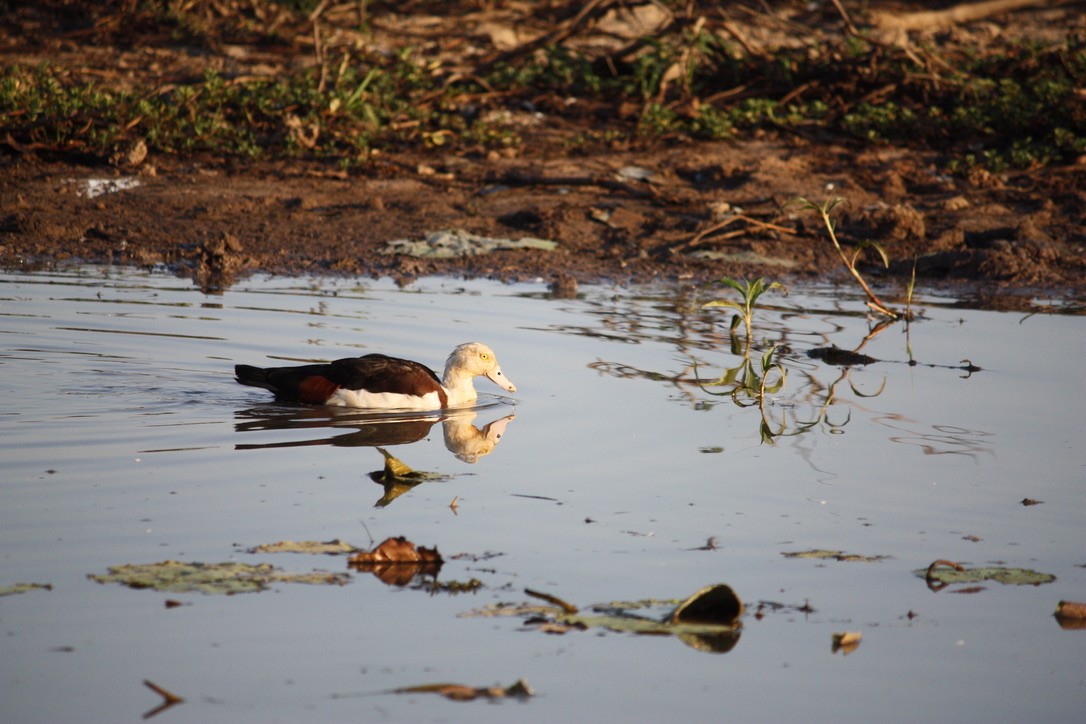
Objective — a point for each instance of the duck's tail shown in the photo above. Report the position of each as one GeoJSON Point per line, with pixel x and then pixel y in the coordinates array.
{"type": "Point", "coordinates": [252, 376]}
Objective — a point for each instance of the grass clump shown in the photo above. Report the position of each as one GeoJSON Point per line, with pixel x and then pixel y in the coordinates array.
{"type": "Point", "coordinates": [334, 95]}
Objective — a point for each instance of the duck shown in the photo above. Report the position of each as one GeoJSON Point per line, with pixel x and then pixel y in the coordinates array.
{"type": "Point", "coordinates": [377, 381]}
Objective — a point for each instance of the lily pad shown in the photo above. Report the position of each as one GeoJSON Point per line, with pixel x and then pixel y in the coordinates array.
{"type": "Point", "coordinates": [999, 574]}
{"type": "Point", "coordinates": [453, 243]}
{"type": "Point", "coordinates": [23, 588]}
{"type": "Point", "coordinates": [211, 578]}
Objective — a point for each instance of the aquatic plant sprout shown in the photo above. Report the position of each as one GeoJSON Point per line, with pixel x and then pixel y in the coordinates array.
{"type": "Point", "coordinates": [850, 261]}
{"type": "Point", "coordinates": [749, 291]}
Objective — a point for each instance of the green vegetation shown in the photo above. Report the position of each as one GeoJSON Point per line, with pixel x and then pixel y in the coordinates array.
{"type": "Point", "coordinates": [851, 259]}
{"type": "Point", "coordinates": [749, 293]}
{"type": "Point", "coordinates": [1015, 106]}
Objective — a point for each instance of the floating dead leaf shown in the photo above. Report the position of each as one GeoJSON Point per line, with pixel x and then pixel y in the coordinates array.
{"type": "Point", "coordinates": [397, 560]}
{"type": "Point", "coordinates": [23, 588]}
{"type": "Point", "coordinates": [944, 573]}
{"type": "Point", "coordinates": [707, 621]}
{"type": "Point", "coordinates": [331, 548]}
{"type": "Point", "coordinates": [1071, 614]}
{"type": "Point", "coordinates": [846, 642]}
{"type": "Point", "coordinates": [461, 692]}
{"type": "Point", "coordinates": [717, 604]}
{"type": "Point", "coordinates": [834, 555]}
{"type": "Point", "coordinates": [398, 478]}
{"type": "Point", "coordinates": [211, 578]}
{"type": "Point", "coordinates": [450, 587]}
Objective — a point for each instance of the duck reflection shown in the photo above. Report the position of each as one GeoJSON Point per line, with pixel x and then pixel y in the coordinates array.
{"type": "Point", "coordinates": [367, 429]}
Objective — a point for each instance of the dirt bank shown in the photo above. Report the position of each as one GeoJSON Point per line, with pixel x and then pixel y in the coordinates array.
{"type": "Point", "coordinates": [663, 208]}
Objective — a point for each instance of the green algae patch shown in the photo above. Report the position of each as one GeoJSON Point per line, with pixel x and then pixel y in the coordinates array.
{"type": "Point", "coordinates": [211, 578]}
{"type": "Point", "coordinates": [23, 588]}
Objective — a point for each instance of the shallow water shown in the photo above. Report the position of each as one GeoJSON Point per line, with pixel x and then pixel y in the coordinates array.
{"type": "Point", "coordinates": [125, 440]}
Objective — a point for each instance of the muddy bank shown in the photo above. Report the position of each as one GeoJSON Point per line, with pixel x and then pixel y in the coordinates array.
{"type": "Point", "coordinates": [689, 212]}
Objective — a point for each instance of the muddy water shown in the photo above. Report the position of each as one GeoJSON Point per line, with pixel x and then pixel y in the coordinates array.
{"type": "Point", "coordinates": [125, 440]}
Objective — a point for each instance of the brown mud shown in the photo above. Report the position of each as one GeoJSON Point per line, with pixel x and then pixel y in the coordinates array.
{"type": "Point", "coordinates": [666, 208]}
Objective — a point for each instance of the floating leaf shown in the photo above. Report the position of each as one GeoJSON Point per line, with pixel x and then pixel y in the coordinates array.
{"type": "Point", "coordinates": [397, 560]}
{"type": "Point", "coordinates": [332, 547]}
{"type": "Point", "coordinates": [999, 574]}
{"type": "Point", "coordinates": [211, 578]}
{"type": "Point", "coordinates": [717, 604]}
{"type": "Point", "coordinates": [398, 477]}
{"type": "Point", "coordinates": [706, 621]}
{"type": "Point", "coordinates": [834, 555]}
{"type": "Point", "coordinates": [846, 642]}
{"type": "Point", "coordinates": [23, 588]}
{"type": "Point", "coordinates": [1071, 615]}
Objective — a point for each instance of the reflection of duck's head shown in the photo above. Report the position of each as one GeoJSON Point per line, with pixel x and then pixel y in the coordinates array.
{"type": "Point", "coordinates": [468, 442]}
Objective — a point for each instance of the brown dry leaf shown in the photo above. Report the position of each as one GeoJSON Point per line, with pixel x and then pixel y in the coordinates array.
{"type": "Point", "coordinates": [396, 561]}
{"type": "Point", "coordinates": [846, 642]}
{"type": "Point", "coordinates": [1071, 615]}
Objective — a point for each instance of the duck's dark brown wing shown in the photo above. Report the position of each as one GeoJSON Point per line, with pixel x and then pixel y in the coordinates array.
{"type": "Point", "coordinates": [317, 383]}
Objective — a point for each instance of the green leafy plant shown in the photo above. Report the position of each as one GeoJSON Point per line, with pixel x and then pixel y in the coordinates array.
{"type": "Point", "coordinates": [850, 259]}
{"type": "Point", "coordinates": [749, 293]}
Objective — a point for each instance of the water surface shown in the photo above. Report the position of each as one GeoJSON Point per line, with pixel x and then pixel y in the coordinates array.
{"type": "Point", "coordinates": [125, 440]}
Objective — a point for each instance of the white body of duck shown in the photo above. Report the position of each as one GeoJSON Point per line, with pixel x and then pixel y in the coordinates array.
{"type": "Point", "coordinates": [380, 382]}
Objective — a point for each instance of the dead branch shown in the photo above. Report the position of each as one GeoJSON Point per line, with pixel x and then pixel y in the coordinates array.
{"type": "Point", "coordinates": [895, 24]}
